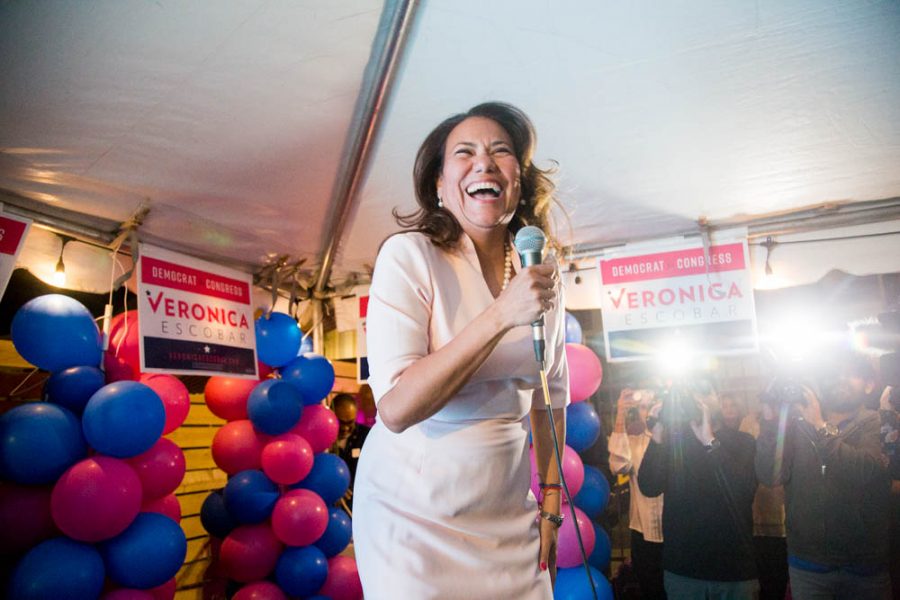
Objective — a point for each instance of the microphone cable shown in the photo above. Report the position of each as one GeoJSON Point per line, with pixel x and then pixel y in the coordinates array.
{"type": "Point", "coordinates": [562, 478]}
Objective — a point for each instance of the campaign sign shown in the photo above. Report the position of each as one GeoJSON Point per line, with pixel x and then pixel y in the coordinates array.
{"type": "Point", "coordinates": [12, 237]}
{"type": "Point", "coordinates": [362, 354]}
{"type": "Point", "coordinates": [195, 317]}
{"type": "Point", "coordinates": [705, 301]}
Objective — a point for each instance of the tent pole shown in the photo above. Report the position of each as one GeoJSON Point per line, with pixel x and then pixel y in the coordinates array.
{"type": "Point", "coordinates": [395, 23]}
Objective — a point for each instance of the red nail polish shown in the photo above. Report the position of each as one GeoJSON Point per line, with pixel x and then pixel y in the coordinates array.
{"type": "Point", "coordinates": [543, 566]}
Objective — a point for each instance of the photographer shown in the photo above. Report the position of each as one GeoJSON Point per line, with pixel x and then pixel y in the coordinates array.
{"type": "Point", "coordinates": [627, 446]}
{"type": "Point", "coordinates": [836, 483]}
{"type": "Point", "coordinates": [706, 474]}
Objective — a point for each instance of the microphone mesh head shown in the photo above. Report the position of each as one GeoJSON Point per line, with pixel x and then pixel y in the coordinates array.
{"type": "Point", "coordinates": [530, 239]}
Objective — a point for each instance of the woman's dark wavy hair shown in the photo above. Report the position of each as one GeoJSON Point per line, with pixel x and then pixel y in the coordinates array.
{"type": "Point", "coordinates": [536, 187]}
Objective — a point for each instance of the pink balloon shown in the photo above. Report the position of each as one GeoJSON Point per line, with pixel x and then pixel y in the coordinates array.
{"type": "Point", "coordinates": [568, 554]}
{"type": "Point", "coordinates": [573, 471]}
{"type": "Point", "coordinates": [300, 517]}
{"type": "Point", "coordinates": [25, 518]}
{"type": "Point", "coordinates": [175, 397]}
{"type": "Point", "coordinates": [585, 371]}
{"type": "Point", "coordinates": [318, 426]}
{"type": "Point", "coordinates": [161, 468]}
{"type": "Point", "coordinates": [123, 359]}
{"type": "Point", "coordinates": [166, 591]}
{"type": "Point", "coordinates": [167, 505]}
{"type": "Point", "coordinates": [127, 594]}
{"type": "Point", "coordinates": [237, 447]}
{"type": "Point", "coordinates": [287, 459]}
{"type": "Point", "coordinates": [260, 590]}
{"type": "Point", "coordinates": [249, 553]}
{"type": "Point", "coordinates": [343, 580]}
{"type": "Point", "coordinates": [96, 499]}
{"type": "Point", "coordinates": [227, 397]}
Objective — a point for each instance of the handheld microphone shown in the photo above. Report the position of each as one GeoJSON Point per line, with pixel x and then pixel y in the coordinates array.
{"type": "Point", "coordinates": [529, 244]}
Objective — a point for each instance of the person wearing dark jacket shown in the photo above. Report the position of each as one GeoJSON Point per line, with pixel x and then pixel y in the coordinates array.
{"type": "Point", "coordinates": [836, 488]}
{"type": "Point", "coordinates": [706, 473]}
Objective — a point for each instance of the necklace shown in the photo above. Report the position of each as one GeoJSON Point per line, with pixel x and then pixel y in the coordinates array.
{"type": "Point", "coordinates": [507, 267]}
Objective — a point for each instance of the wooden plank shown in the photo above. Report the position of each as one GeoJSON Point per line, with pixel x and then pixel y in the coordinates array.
{"type": "Point", "coordinates": [344, 369]}
{"type": "Point", "coordinates": [199, 481]}
{"type": "Point", "coordinates": [197, 549]}
{"type": "Point", "coordinates": [192, 573]}
{"type": "Point", "coordinates": [345, 386]}
{"type": "Point", "coordinates": [201, 415]}
{"type": "Point", "coordinates": [193, 437]}
{"type": "Point", "coordinates": [192, 527]}
{"type": "Point", "coordinates": [193, 593]}
{"type": "Point", "coordinates": [199, 458]}
{"type": "Point", "coordinates": [192, 503]}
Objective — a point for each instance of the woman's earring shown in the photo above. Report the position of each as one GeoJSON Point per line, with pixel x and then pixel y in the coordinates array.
{"type": "Point", "coordinates": [522, 201]}
{"type": "Point", "coordinates": [440, 202]}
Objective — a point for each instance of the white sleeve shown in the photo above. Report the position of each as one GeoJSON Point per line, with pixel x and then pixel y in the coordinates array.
{"type": "Point", "coordinates": [620, 453]}
{"type": "Point", "coordinates": [399, 312]}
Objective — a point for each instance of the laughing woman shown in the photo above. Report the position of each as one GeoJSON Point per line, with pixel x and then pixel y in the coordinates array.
{"type": "Point", "coordinates": [442, 503]}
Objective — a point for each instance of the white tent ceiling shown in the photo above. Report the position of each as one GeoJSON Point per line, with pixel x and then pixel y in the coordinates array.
{"type": "Point", "coordinates": [233, 118]}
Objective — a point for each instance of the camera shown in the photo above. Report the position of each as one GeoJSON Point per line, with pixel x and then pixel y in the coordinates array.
{"type": "Point", "coordinates": [679, 406]}
{"type": "Point", "coordinates": [784, 390]}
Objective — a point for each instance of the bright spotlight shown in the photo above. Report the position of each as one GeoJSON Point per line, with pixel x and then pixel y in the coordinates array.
{"type": "Point", "coordinates": [796, 338]}
{"type": "Point", "coordinates": [675, 357]}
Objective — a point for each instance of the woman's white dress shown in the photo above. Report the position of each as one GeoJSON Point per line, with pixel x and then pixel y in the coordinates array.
{"type": "Point", "coordinates": [444, 509]}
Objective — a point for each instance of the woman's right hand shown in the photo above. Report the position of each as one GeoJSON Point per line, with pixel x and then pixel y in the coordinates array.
{"type": "Point", "coordinates": [530, 294]}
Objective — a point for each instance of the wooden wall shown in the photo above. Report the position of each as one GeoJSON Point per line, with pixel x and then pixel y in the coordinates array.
{"type": "Point", "coordinates": [202, 476]}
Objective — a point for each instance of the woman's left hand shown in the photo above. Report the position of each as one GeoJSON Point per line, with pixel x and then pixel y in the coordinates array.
{"type": "Point", "coordinates": [549, 537]}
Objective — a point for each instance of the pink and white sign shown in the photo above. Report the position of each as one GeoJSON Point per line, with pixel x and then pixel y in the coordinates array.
{"type": "Point", "coordinates": [650, 297]}
{"type": "Point", "coordinates": [362, 354]}
{"type": "Point", "coordinates": [195, 317]}
{"type": "Point", "coordinates": [12, 237]}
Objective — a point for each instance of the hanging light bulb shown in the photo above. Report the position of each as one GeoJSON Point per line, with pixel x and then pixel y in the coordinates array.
{"type": "Point", "coordinates": [59, 275]}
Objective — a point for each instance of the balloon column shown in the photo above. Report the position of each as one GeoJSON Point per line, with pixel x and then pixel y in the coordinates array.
{"type": "Point", "coordinates": [587, 485]}
{"type": "Point", "coordinates": [85, 474]}
{"type": "Point", "coordinates": [274, 517]}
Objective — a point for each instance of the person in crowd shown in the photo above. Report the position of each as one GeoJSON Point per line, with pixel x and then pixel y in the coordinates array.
{"type": "Point", "coordinates": [706, 473]}
{"type": "Point", "coordinates": [733, 411]}
{"type": "Point", "coordinates": [889, 409]}
{"type": "Point", "coordinates": [627, 444]}
{"type": "Point", "coordinates": [351, 436]}
{"type": "Point", "coordinates": [825, 448]}
{"type": "Point", "coordinates": [442, 505]}
{"type": "Point", "coordinates": [768, 530]}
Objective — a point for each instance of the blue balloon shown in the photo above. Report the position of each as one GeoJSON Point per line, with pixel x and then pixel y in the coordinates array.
{"type": "Point", "coordinates": [214, 517]}
{"type": "Point", "coordinates": [147, 554]}
{"type": "Point", "coordinates": [274, 406]}
{"type": "Point", "coordinates": [573, 329]}
{"type": "Point", "coordinates": [58, 568]}
{"type": "Point", "coordinates": [250, 496]}
{"type": "Point", "coordinates": [73, 387]}
{"type": "Point", "coordinates": [306, 345]}
{"type": "Point", "coordinates": [38, 442]}
{"type": "Point", "coordinates": [582, 425]}
{"type": "Point", "coordinates": [277, 339]}
{"type": "Point", "coordinates": [123, 419]}
{"type": "Point", "coordinates": [593, 496]}
{"type": "Point", "coordinates": [301, 571]}
{"type": "Point", "coordinates": [313, 374]}
{"type": "Point", "coordinates": [338, 533]}
{"type": "Point", "coordinates": [573, 584]}
{"type": "Point", "coordinates": [55, 332]}
{"type": "Point", "coordinates": [329, 478]}
{"type": "Point", "coordinates": [599, 558]}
